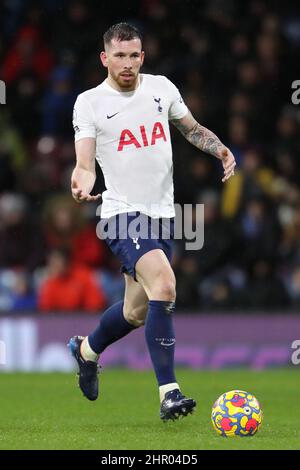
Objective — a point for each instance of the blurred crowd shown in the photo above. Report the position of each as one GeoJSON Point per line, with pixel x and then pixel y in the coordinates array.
{"type": "Point", "coordinates": [234, 63]}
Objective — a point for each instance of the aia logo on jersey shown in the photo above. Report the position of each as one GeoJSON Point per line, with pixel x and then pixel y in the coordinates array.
{"type": "Point", "coordinates": [142, 140]}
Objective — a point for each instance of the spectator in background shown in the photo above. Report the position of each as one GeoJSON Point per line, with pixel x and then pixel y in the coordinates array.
{"type": "Point", "coordinates": [290, 241]}
{"type": "Point", "coordinates": [29, 54]}
{"type": "Point", "coordinates": [76, 32]}
{"type": "Point", "coordinates": [259, 232]}
{"type": "Point", "coordinates": [69, 287]}
{"type": "Point", "coordinates": [16, 291]}
{"type": "Point", "coordinates": [252, 179]}
{"type": "Point", "coordinates": [20, 237]}
{"type": "Point", "coordinates": [292, 283]}
{"type": "Point", "coordinates": [286, 147]}
{"type": "Point", "coordinates": [58, 103]}
{"type": "Point", "coordinates": [264, 290]}
{"type": "Point", "coordinates": [25, 70]}
{"type": "Point", "coordinates": [216, 294]}
{"type": "Point", "coordinates": [13, 153]}
{"type": "Point", "coordinates": [218, 236]}
{"type": "Point", "coordinates": [66, 227]}
{"type": "Point", "coordinates": [187, 281]}
{"type": "Point", "coordinates": [239, 135]}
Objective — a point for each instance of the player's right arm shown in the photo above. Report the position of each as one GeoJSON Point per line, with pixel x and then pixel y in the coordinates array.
{"type": "Point", "coordinates": [84, 174]}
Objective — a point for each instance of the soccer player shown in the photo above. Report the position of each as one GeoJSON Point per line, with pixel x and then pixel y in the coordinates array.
{"type": "Point", "coordinates": [124, 124]}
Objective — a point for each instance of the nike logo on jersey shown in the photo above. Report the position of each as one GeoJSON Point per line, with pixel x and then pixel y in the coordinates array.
{"type": "Point", "coordinates": [109, 117]}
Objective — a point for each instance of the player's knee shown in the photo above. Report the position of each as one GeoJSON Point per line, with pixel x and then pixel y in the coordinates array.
{"type": "Point", "coordinates": [164, 288]}
{"type": "Point", "coordinates": [168, 291]}
{"type": "Point", "coordinates": [136, 316]}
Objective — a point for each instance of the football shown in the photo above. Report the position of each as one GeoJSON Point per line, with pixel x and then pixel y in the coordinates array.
{"type": "Point", "coordinates": [236, 413]}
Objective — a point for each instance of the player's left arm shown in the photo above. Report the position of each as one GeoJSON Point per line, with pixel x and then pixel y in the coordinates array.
{"type": "Point", "coordinates": [207, 141]}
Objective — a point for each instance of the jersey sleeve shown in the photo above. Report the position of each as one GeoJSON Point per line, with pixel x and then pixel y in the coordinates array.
{"type": "Point", "coordinates": [178, 108]}
{"type": "Point", "coordinates": [83, 119]}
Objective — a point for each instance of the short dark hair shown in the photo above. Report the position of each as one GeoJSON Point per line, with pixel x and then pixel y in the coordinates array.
{"type": "Point", "coordinates": [121, 32]}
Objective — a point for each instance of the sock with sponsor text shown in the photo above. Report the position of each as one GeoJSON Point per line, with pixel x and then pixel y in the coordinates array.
{"type": "Point", "coordinates": [160, 340]}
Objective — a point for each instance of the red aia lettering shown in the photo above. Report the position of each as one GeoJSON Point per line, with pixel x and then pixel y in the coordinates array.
{"type": "Point", "coordinates": [144, 136]}
{"type": "Point", "coordinates": [131, 140]}
{"type": "Point", "coordinates": [158, 133]}
{"type": "Point", "coordinates": [128, 138]}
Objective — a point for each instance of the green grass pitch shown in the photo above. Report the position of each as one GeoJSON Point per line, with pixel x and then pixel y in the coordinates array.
{"type": "Point", "coordinates": [47, 411]}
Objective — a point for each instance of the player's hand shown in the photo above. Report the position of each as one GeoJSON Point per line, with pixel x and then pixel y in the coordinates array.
{"type": "Point", "coordinates": [80, 196]}
{"type": "Point", "coordinates": [228, 162]}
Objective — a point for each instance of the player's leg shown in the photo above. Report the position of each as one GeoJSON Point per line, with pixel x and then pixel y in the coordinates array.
{"type": "Point", "coordinates": [116, 322]}
{"type": "Point", "coordinates": [154, 273]}
{"type": "Point", "coordinates": [135, 302]}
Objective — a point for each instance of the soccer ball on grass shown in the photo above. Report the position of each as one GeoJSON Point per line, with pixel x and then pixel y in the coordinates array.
{"type": "Point", "coordinates": [236, 413]}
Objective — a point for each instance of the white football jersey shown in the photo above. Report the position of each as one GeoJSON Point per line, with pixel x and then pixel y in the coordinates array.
{"type": "Point", "coordinates": [133, 146]}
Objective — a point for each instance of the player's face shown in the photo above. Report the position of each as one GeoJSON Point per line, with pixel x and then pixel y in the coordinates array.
{"type": "Point", "coordinates": [123, 60]}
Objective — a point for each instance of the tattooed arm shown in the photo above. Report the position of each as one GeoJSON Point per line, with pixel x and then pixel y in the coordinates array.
{"type": "Point", "coordinates": [207, 141]}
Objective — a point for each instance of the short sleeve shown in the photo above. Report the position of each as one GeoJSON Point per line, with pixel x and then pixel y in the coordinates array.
{"type": "Point", "coordinates": [178, 108]}
{"type": "Point", "coordinates": [83, 119]}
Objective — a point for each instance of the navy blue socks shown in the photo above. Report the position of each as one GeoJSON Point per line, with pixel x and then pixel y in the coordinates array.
{"type": "Point", "coordinates": [159, 335]}
{"type": "Point", "coordinates": [160, 339]}
{"type": "Point", "coordinates": [113, 326]}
